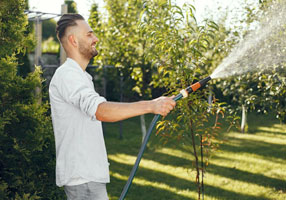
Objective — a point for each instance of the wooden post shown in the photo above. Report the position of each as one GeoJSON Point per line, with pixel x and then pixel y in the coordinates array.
{"type": "Point", "coordinates": [38, 49]}
{"type": "Point", "coordinates": [63, 56]}
{"type": "Point", "coordinates": [38, 53]}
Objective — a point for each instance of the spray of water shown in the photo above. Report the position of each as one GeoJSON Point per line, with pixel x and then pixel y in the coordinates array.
{"type": "Point", "coordinates": [261, 49]}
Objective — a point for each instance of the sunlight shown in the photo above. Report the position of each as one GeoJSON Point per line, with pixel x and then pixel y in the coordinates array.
{"type": "Point", "coordinates": [180, 172]}
{"type": "Point", "coordinates": [175, 152]}
{"type": "Point", "coordinates": [233, 185]}
{"type": "Point", "coordinates": [263, 137]}
{"type": "Point", "coordinates": [228, 157]}
{"type": "Point", "coordinates": [277, 128]}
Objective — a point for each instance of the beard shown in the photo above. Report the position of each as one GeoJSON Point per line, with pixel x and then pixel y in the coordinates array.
{"type": "Point", "coordinates": [87, 50]}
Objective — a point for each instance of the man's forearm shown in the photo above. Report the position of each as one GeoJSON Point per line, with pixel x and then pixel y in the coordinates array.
{"type": "Point", "coordinates": [112, 111]}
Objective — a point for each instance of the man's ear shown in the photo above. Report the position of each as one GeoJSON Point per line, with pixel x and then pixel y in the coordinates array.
{"type": "Point", "coordinates": [72, 40]}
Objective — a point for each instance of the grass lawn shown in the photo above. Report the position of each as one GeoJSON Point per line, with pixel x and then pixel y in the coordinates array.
{"type": "Point", "coordinates": [246, 167]}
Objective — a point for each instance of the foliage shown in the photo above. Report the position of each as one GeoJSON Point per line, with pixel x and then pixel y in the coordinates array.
{"type": "Point", "coordinates": [169, 46]}
{"type": "Point", "coordinates": [273, 92]}
{"type": "Point", "coordinates": [24, 65]}
{"type": "Point", "coordinates": [176, 45]}
{"type": "Point", "coordinates": [27, 145]}
{"type": "Point", "coordinates": [121, 45]}
{"type": "Point", "coordinates": [8, 11]}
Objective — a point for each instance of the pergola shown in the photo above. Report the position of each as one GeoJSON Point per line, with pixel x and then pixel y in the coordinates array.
{"type": "Point", "coordinates": [38, 17]}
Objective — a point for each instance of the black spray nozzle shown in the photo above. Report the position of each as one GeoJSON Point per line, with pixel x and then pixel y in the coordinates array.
{"type": "Point", "coordinates": [198, 85]}
{"type": "Point", "coordinates": [204, 81]}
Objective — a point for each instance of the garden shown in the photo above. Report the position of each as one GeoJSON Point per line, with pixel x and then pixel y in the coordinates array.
{"type": "Point", "coordinates": [227, 140]}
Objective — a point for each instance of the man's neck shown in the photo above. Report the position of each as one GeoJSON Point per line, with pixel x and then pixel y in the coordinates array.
{"type": "Point", "coordinates": [80, 60]}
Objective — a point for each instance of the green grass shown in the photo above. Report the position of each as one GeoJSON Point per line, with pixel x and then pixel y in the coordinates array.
{"type": "Point", "coordinates": [246, 166]}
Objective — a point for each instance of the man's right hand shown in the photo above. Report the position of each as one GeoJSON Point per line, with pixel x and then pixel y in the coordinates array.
{"type": "Point", "coordinates": [163, 105]}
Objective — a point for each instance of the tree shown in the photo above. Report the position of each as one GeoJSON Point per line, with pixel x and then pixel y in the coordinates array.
{"type": "Point", "coordinates": [176, 44]}
{"type": "Point", "coordinates": [121, 45]}
{"type": "Point", "coordinates": [27, 146]}
{"type": "Point", "coordinates": [157, 46]}
{"type": "Point", "coordinates": [24, 66]}
{"type": "Point", "coordinates": [72, 8]}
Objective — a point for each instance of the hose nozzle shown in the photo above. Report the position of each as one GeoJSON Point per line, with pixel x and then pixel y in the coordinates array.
{"type": "Point", "coordinates": [198, 85]}
{"type": "Point", "coordinates": [185, 92]}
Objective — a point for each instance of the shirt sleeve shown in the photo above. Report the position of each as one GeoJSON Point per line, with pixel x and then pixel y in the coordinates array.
{"type": "Point", "coordinates": [77, 91]}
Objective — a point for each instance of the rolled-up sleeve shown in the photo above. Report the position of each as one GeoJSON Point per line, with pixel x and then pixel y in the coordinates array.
{"type": "Point", "coordinates": [75, 89]}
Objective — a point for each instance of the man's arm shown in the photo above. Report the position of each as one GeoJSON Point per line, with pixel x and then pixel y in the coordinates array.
{"type": "Point", "coordinates": [112, 112]}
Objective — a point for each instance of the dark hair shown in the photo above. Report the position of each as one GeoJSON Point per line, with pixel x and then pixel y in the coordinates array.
{"type": "Point", "coordinates": [66, 21]}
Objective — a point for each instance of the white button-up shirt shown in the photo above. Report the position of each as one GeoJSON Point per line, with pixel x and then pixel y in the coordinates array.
{"type": "Point", "coordinates": [80, 149]}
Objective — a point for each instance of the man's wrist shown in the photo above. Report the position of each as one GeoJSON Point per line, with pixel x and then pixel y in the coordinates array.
{"type": "Point", "coordinates": [148, 106]}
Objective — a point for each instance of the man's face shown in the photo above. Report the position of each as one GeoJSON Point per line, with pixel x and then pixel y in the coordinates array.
{"type": "Point", "coordinates": [86, 40]}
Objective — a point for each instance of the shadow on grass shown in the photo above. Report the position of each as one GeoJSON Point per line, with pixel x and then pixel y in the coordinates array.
{"type": "Point", "coordinates": [153, 176]}
{"type": "Point", "coordinates": [268, 150]}
{"type": "Point", "coordinates": [139, 192]}
{"type": "Point", "coordinates": [232, 173]}
{"type": "Point", "coordinates": [148, 192]}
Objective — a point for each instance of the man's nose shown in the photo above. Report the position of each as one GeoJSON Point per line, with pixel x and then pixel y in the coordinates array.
{"type": "Point", "coordinates": [95, 39]}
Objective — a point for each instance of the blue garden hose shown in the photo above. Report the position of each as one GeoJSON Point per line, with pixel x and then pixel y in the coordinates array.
{"type": "Point", "coordinates": [183, 93]}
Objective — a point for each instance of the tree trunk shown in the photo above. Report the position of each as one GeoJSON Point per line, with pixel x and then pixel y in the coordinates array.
{"type": "Point", "coordinates": [210, 100]}
{"type": "Point", "coordinates": [243, 120]}
{"type": "Point", "coordinates": [196, 160]}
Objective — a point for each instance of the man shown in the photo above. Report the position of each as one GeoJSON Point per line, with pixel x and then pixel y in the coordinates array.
{"type": "Point", "coordinates": [77, 111]}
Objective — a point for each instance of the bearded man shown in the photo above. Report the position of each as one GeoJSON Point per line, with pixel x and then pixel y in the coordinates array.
{"type": "Point", "coordinates": [77, 112]}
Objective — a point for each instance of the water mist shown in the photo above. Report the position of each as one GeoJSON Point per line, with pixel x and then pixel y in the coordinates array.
{"type": "Point", "coordinates": [262, 49]}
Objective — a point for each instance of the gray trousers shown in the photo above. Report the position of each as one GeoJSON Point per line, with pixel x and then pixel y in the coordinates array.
{"type": "Point", "coordinates": [87, 191]}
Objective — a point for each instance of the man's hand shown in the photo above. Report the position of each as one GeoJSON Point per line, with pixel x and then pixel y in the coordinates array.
{"type": "Point", "coordinates": [163, 105]}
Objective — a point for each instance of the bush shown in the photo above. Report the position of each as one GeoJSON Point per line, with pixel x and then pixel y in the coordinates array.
{"type": "Point", "coordinates": [27, 145]}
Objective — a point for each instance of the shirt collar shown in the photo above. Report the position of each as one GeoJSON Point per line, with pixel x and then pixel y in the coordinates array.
{"type": "Point", "coordinates": [75, 65]}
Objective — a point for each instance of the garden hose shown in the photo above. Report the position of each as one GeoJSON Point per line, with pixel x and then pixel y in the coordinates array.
{"type": "Point", "coordinates": [183, 94]}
